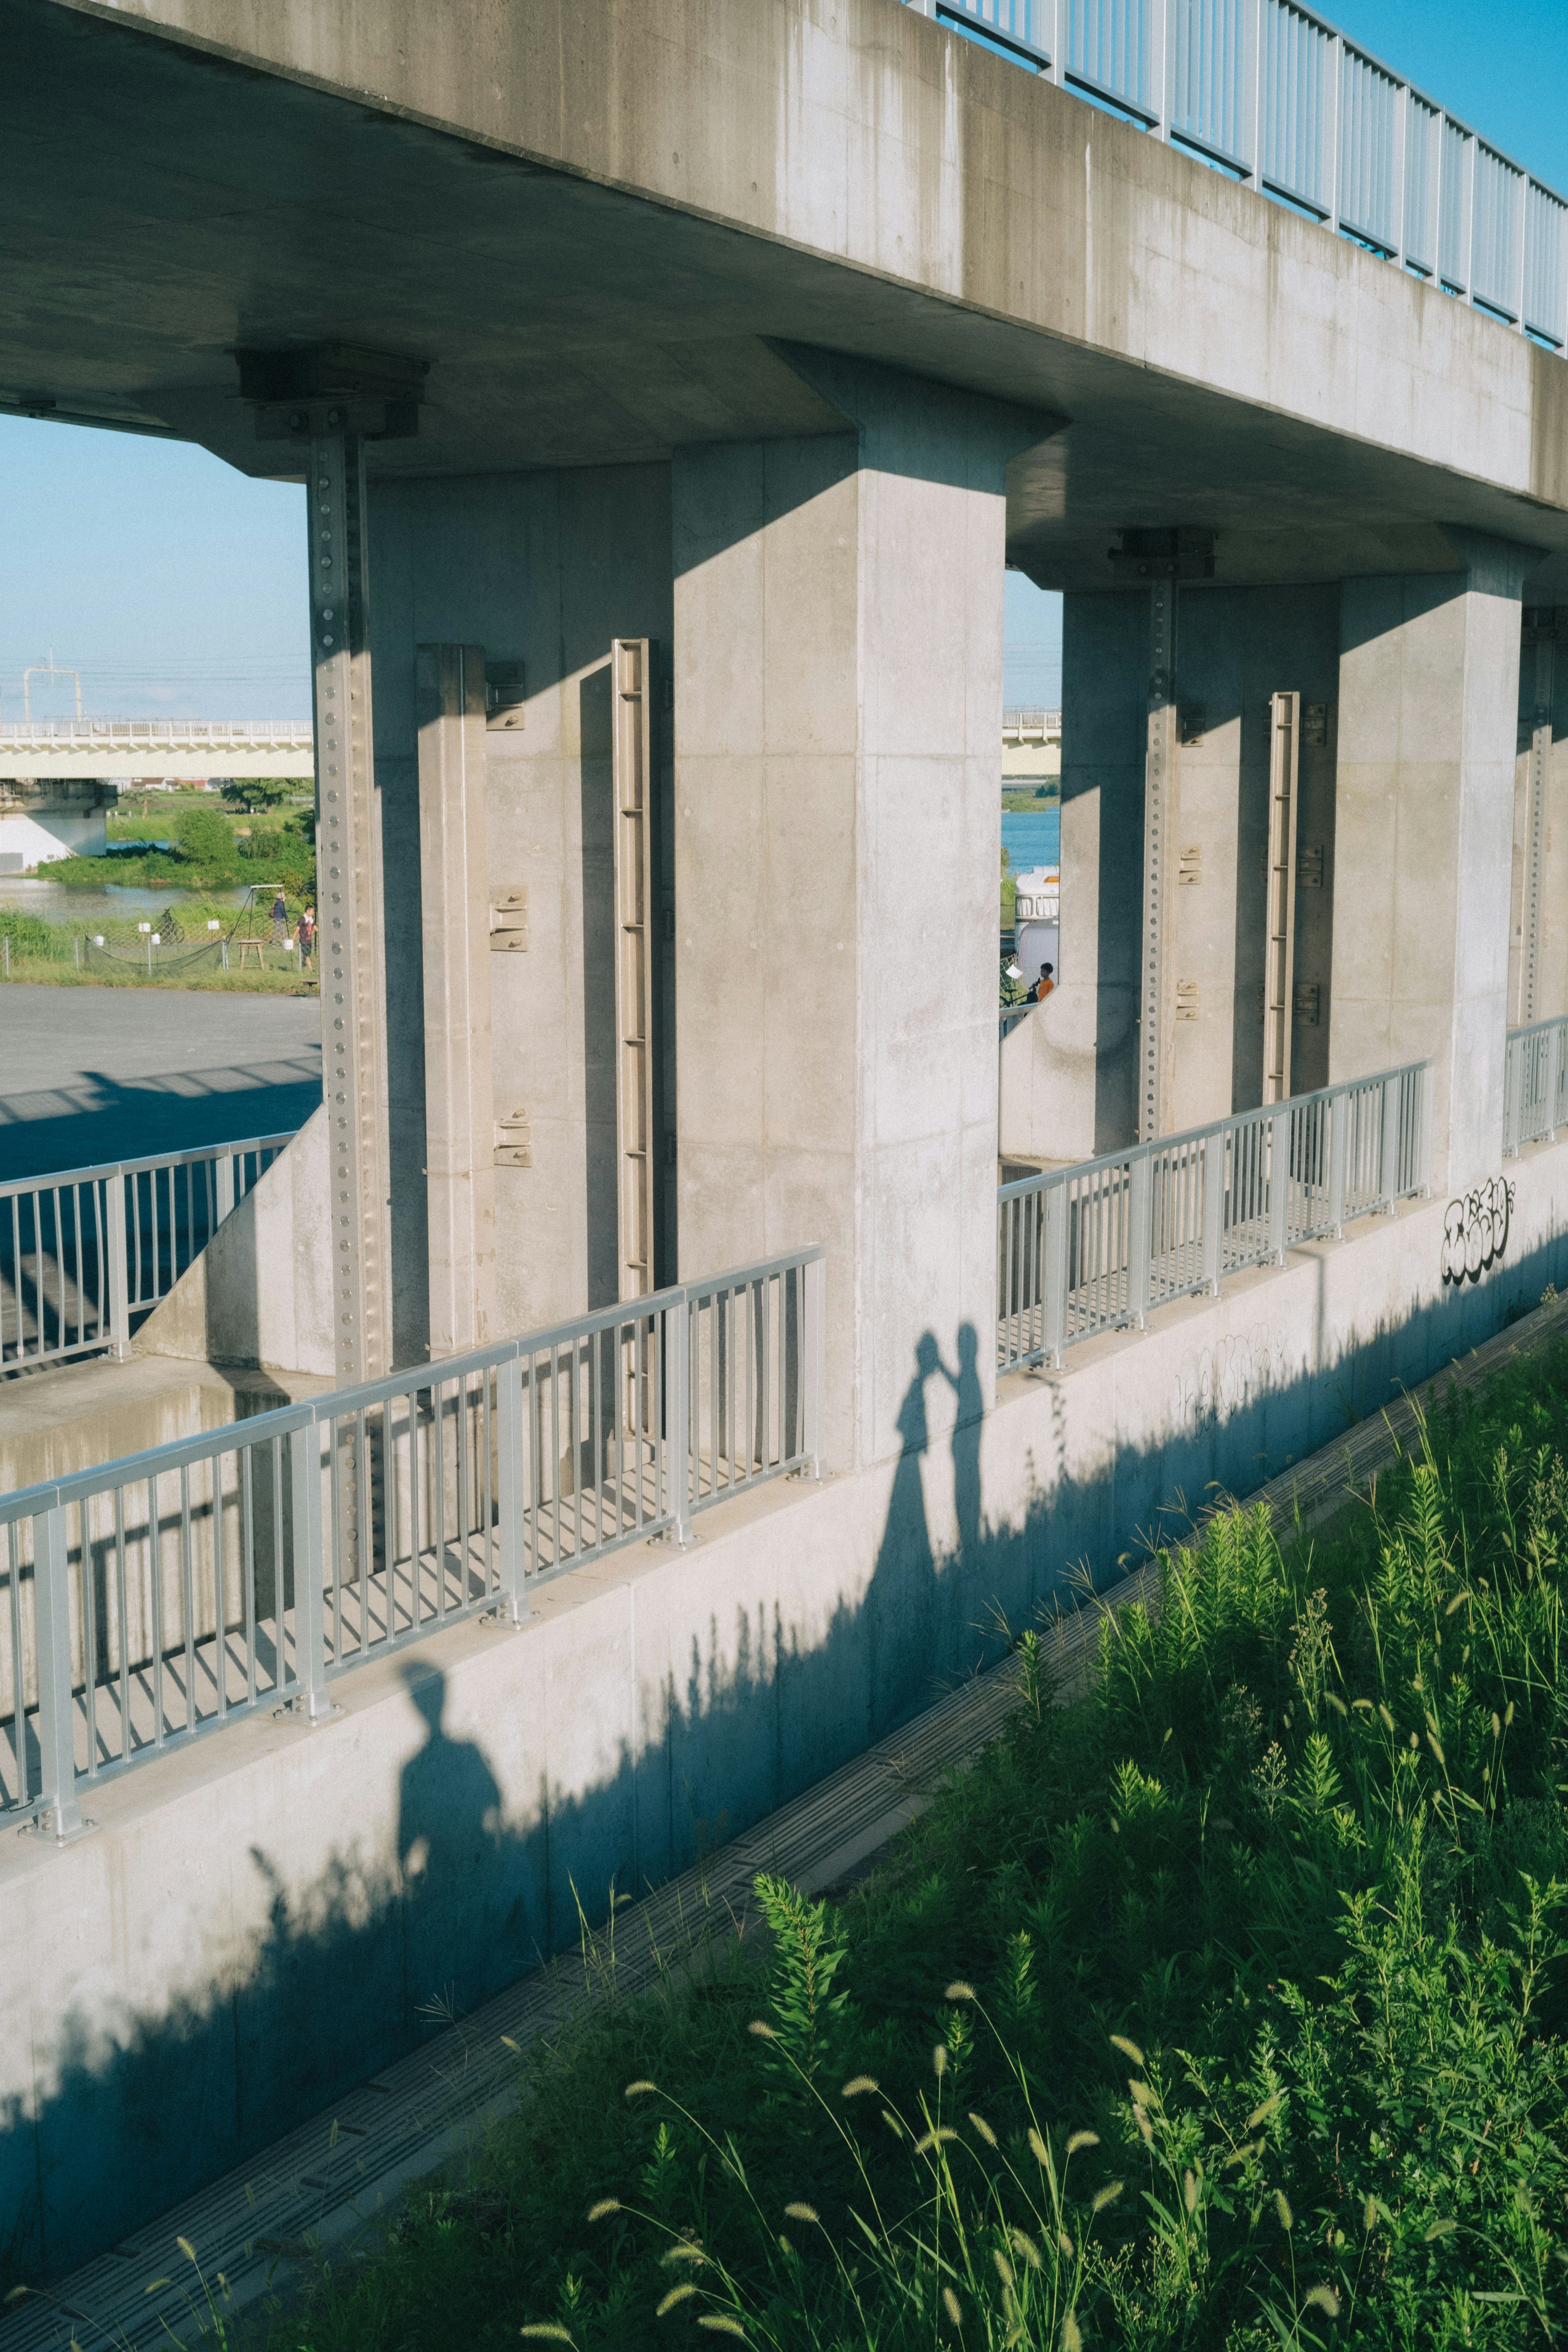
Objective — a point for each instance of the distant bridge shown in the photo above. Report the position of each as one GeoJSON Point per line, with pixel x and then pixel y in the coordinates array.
{"type": "Point", "coordinates": [110, 748]}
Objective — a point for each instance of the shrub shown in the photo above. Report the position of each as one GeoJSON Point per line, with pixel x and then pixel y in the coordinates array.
{"type": "Point", "coordinates": [28, 934]}
{"type": "Point", "coordinates": [206, 841]}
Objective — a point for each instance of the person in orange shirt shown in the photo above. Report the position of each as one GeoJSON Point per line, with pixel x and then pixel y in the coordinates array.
{"type": "Point", "coordinates": [1044, 985]}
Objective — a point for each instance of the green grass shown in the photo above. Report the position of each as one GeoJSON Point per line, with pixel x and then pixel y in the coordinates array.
{"type": "Point", "coordinates": [1221, 2006]}
{"type": "Point", "coordinates": [45, 951]}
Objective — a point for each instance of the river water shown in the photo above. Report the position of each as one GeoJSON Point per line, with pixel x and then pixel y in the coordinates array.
{"type": "Point", "coordinates": [56, 902]}
{"type": "Point", "coordinates": [1032, 838]}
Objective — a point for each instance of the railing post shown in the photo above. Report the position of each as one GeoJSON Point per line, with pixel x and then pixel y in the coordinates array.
{"type": "Point", "coordinates": [58, 1814]}
{"type": "Point", "coordinates": [117, 1249]}
{"type": "Point", "coordinates": [1513, 1061]}
{"type": "Point", "coordinates": [512, 1605]}
{"type": "Point", "coordinates": [1279, 1183]}
{"type": "Point", "coordinates": [1424, 1115]}
{"type": "Point", "coordinates": [1214, 1209]}
{"type": "Point", "coordinates": [678, 1433]}
{"type": "Point", "coordinates": [1554, 1078]}
{"type": "Point", "coordinates": [1054, 1275]}
{"type": "Point", "coordinates": [1339, 1154]}
{"type": "Point", "coordinates": [312, 1700]}
{"type": "Point", "coordinates": [222, 1175]}
{"type": "Point", "coordinates": [814, 1366]}
{"type": "Point", "coordinates": [1141, 1233]}
{"type": "Point", "coordinates": [1388, 1148]}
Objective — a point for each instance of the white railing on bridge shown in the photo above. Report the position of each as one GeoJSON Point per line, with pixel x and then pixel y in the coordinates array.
{"type": "Point", "coordinates": [1535, 1083]}
{"type": "Point", "coordinates": [1276, 95]}
{"type": "Point", "coordinates": [161, 1597]}
{"type": "Point", "coordinates": [1095, 1247]}
{"type": "Point", "coordinates": [86, 1254]}
{"type": "Point", "coordinates": [155, 734]}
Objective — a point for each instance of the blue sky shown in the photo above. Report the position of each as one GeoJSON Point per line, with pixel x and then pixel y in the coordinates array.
{"type": "Point", "coordinates": [176, 586]}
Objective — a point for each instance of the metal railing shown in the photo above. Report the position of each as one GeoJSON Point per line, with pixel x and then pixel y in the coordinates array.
{"type": "Point", "coordinates": [160, 734]}
{"type": "Point", "coordinates": [1097, 1247]}
{"type": "Point", "coordinates": [1275, 95]}
{"type": "Point", "coordinates": [87, 1255]}
{"type": "Point", "coordinates": [1535, 1083]}
{"type": "Point", "coordinates": [156, 1598]}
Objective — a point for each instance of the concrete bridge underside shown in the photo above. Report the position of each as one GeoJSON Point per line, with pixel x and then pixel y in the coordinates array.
{"type": "Point", "coordinates": [671, 385]}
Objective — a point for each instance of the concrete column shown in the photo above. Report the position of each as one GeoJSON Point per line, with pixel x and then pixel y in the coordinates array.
{"type": "Point", "coordinates": [1070, 1072]}
{"type": "Point", "coordinates": [1538, 934]}
{"type": "Point", "coordinates": [543, 570]}
{"type": "Point", "coordinates": [1427, 728]}
{"type": "Point", "coordinates": [839, 701]}
{"type": "Point", "coordinates": [1071, 1088]}
{"type": "Point", "coordinates": [460, 1107]}
{"type": "Point", "coordinates": [1239, 647]}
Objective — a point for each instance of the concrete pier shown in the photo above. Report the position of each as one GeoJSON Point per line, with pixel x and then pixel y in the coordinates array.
{"type": "Point", "coordinates": [838, 680]}
{"type": "Point", "coordinates": [1424, 840]}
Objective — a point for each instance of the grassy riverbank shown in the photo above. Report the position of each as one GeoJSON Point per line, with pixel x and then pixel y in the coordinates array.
{"type": "Point", "coordinates": [57, 955]}
{"type": "Point", "coordinates": [1222, 2006]}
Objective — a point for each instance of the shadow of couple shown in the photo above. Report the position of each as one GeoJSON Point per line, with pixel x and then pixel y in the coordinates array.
{"type": "Point", "coordinates": [907, 1524]}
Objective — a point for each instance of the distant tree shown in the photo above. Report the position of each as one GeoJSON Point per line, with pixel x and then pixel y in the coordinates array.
{"type": "Point", "coordinates": [206, 841]}
{"type": "Point", "coordinates": [252, 793]}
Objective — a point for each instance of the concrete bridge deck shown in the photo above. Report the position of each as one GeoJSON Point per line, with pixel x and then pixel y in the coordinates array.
{"type": "Point", "coordinates": [599, 221]}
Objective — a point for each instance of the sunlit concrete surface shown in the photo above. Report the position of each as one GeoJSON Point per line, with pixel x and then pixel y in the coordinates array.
{"type": "Point", "coordinates": [99, 1073]}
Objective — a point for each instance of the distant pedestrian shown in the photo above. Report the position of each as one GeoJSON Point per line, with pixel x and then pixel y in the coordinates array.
{"type": "Point", "coordinates": [1044, 985]}
{"type": "Point", "coordinates": [280, 921]}
{"type": "Point", "coordinates": [305, 932]}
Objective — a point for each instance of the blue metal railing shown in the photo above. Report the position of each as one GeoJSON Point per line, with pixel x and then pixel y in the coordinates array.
{"type": "Point", "coordinates": [1277, 94]}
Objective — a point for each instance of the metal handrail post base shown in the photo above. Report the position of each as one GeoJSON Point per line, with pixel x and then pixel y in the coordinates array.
{"type": "Point", "coordinates": [310, 1702]}
{"type": "Point", "coordinates": [1213, 1213]}
{"type": "Point", "coordinates": [118, 1274]}
{"type": "Point", "coordinates": [1141, 1236]}
{"type": "Point", "coordinates": [680, 1432]}
{"type": "Point", "coordinates": [1278, 1185]}
{"type": "Point", "coordinates": [1054, 1289]}
{"type": "Point", "coordinates": [1339, 1154]}
{"type": "Point", "coordinates": [512, 1605]}
{"type": "Point", "coordinates": [813, 1367]}
{"type": "Point", "coordinates": [58, 1815]}
{"type": "Point", "coordinates": [1388, 1148]}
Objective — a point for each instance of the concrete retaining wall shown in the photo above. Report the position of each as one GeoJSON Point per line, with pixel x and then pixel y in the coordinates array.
{"type": "Point", "coordinates": [260, 1920]}
{"type": "Point", "coordinates": [261, 1291]}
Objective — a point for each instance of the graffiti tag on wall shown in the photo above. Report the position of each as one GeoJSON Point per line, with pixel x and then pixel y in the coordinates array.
{"type": "Point", "coordinates": [1475, 1229]}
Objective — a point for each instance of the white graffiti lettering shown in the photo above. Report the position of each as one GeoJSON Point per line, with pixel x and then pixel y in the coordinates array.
{"type": "Point", "coordinates": [1475, 1229]}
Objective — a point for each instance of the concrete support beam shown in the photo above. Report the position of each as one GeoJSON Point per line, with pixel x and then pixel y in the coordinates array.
{"type": "Point", "coordinates": [1537, 935]}
{"type": "Point", "coordinates": [459, 1104]}
{"type": "Point", "coordinates": [1071, 1071]}
{"type": "Point", "coordinates": [1427, 728]}
{"type": "Point", "coordinates": [1079, 1093]}
{"type": "Point", "coordinates": [1239, 647]}
{"type": "Point", "coordinates": [838, 700]}
{"type": "Point", "coordinates": [349, 900]}
{"type": "Point", "coordinates": [544, 571]}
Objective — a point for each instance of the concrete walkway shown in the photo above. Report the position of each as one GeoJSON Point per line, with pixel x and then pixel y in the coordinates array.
{"type": "Point", "coordinates": [93, 1074]}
